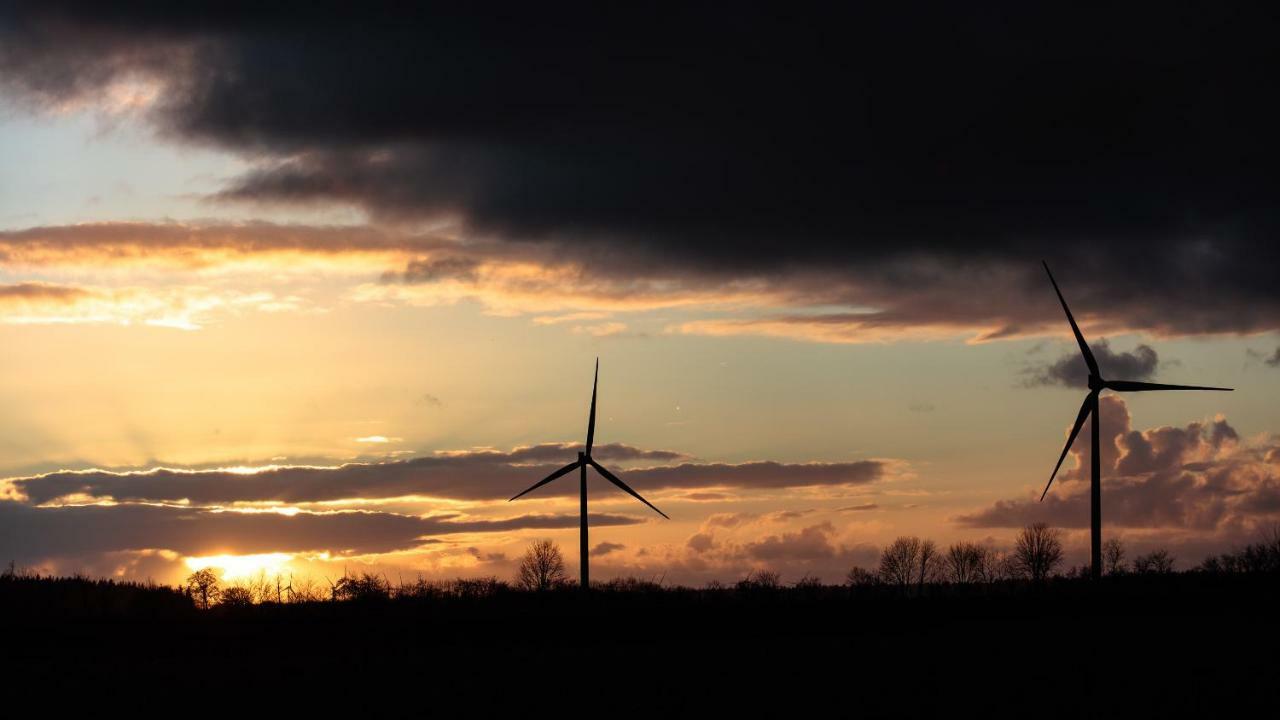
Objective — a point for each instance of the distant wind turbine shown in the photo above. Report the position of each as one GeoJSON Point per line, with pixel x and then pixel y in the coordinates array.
{"type": "Point", "coordinates": [1090, 408]}
{"type": "Point", "coordinates": [584, 459]}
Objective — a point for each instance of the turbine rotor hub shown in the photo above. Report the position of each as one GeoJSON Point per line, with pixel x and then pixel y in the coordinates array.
{"type": "Point", "coordinates": [1096, 383]}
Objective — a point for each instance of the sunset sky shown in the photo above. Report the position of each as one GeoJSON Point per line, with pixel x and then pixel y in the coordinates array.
{"type": "Point", "coordinates": [305, 290]}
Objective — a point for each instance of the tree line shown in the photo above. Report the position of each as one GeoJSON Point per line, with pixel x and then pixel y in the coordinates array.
{"type": "Point", "coordinates": [907, 564]}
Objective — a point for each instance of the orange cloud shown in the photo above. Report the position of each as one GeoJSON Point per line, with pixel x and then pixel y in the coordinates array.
{"type": "Point", "coordinates": [1197, 480]}
{"type": "Point", "coordinates": [201, 246]}
{"type": "Point", "coordinates": [398, 265]}
{"type": "Point", "coordinates": [185, 308]}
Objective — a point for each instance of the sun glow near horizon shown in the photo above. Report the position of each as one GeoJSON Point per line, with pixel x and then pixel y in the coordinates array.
{"type": "Point", "coordinates": [235, 567]}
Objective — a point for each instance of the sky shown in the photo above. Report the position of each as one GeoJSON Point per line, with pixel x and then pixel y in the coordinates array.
{"type": "Point", "coordinates": [315, 289]}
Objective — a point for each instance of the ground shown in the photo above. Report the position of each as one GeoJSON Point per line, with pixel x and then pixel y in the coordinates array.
{"type": "Point", "coordinates": [1156, 647]}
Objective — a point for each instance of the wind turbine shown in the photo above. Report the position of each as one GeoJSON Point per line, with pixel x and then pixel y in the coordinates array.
{"type": "Point", "coordinates": [1090, 408]}
{"type": "Point", "coordinates": [585, 459]}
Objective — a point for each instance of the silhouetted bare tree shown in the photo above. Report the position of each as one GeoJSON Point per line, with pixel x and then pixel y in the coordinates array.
{"type": "Point", "coordinates": [909, 561]}
{"type": "Point", "coordinates": [930, 567]}
{"type": "Point", "coordinates": [1038, 551]}
{"type": "Point", "coordinates": [260, 587]}
{"type": "Point", "coordinates": [898, 562]}
{"type": "Point", "coordinates": [1113, 557]}
{"type": "Point", "coordinates": [997, 565]}
{"type": "Point", "coordinates": [542, 567]}
{"type": "Point", "coordinates": [203, 586]}
{"type": "Point", "coordinates": [1154, 562]}
{"type": "Point", "coordinates": [305, 589]}
{"type": "Point", "coordinates": [964, 563]}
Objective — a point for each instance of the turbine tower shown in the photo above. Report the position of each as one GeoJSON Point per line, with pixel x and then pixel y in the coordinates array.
{"type": "Point", "coordinates": [585, 459]}
{"type": "Point", "coordinates": [1090, 409]}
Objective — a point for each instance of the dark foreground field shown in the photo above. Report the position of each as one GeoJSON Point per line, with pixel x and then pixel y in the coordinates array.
{"type": "Point", "coordinates": [1177, 645]}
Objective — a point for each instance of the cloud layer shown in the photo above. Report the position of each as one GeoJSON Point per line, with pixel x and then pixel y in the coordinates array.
{"type": "Point", "coordinates": [212, 512]}
{"type": "Point", "coordinates": [1200, 479]}
{"type": "Point", "coordinates": [868, 175]}
{"type": "Point", "coordinates": [33, 534]}
{"type": "Point", "coordinates": [472, 475]}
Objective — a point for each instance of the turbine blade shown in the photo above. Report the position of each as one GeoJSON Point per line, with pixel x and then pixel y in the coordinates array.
{"type": "Point", "coordinates": [1084, 346]}
{"type": "Point", "coordinates": [549, 478]}
{"type": "Point", "coordinates": [1132, 386]}
{"type": "Point", "coordinates": [625, 488]}
{"type": "Point", "coordinates": [591, 423]}
{"type": "Point", "coordinates": [1085, 408]}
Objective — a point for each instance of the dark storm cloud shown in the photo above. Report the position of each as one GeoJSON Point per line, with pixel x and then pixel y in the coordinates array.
{"type": "Point", "coordinates": [476, 475]}
{"type": "Point", "coordinates": [890, 157]}
{"type": "Point", "coordinates": [1070, 369]}
{"type": "Point", "coordinates": [30, 533]}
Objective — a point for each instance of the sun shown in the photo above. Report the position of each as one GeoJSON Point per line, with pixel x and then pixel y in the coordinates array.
{"type": "Point", "coordinates": [241, 566]}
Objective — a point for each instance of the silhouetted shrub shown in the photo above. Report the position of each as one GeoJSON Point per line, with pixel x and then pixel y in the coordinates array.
{"type": "Point", "coordinates": [422, 589]}
{"type": "Point", "coordinates": [861, 577]}
{"type": "Point", "coordinates": [1263, 556]}
{"type": "Point", "coordinates": [236, 597]}
{"type": "Point", "coordinates": [760, 580]}
{"type": "Point", "coordinates": [1260, 557]}
{"type": "Point", "coordinates": [1079, 572]}
{"type": "Point", "coordinates": [808, 585]}
{"type": "Point", "coordinates": [366, 587]}
{"type": "Point", "coordinates": [1157, 562]}
{"type": "Point", "coordinates": [629, 585]}
{"type": "Point", "coordinates": [26, 594]}
{"type": "Point", "coordinates": [478, 588]}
